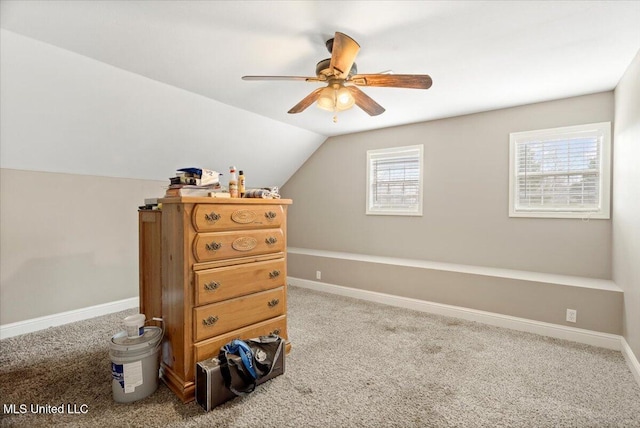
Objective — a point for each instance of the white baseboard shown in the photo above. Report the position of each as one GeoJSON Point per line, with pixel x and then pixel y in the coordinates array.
{"type": "Point", "coordinates": [632, 361]}
{"type": "Point", "coordinates": [589, 337]}
{"type": "Point", "coordinates": [41, 323]}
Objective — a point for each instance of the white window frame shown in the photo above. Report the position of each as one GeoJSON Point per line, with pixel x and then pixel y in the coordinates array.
{"type": "Point", "coordinates": [602, 131]}
{"type": "Point", "coordinates": [390, 154]}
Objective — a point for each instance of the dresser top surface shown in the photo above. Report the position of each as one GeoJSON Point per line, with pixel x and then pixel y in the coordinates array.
{"type": "Point", "coordinates": [209, 200]}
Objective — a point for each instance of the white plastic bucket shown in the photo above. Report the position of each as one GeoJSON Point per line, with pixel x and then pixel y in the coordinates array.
{"type": "Point", "coordinates": [134, 324]}
{"type": "Point", "coordinates": [135, 363]}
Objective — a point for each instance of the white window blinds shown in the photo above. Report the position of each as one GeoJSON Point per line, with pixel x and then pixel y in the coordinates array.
{"type": "Point", "coordinates": [394, 178]}
{"type": "Point", "coordinates": [560, 171]}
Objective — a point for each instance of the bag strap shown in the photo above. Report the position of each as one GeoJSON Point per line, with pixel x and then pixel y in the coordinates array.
{"type": "Point", "coordinates": [227, 376]}
{"type": "Point", "coordinates": [238, 347]}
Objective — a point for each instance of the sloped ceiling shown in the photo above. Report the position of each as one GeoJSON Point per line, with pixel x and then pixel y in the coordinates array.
{"type": "Point", "coordinates": [482, 55]}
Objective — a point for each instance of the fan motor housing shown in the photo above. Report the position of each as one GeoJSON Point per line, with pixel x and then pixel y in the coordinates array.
{"type": "Point", "coordinates": [323, 68]}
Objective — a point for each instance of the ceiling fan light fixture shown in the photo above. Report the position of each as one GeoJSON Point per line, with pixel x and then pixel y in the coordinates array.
{"type": "Point", "coordinates": [344, 99]}
{"type": "Point", "coordinates": [335, 99]}
{"type": "Point", "coordinates": [327, 99]}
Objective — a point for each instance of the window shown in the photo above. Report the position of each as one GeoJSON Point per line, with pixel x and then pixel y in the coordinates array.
{"type": "Point", "coordinates": [560, 172]}
{"type": "Point", "coordinates": [394, 181]}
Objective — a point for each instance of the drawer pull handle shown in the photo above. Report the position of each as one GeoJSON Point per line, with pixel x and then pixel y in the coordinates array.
{"type": "Point", "coordinates": [212, 285]}
{"type": "Point", "coordinates": [210, 321]}
{"type": "Point", "coordinates": [271, 240]}
{"type": "Point", "coordinates": [213, 217]}
{"type": "Point", "coordinates": [276, 332]}
{"type": "Point", "coordinates": [270, 215]}
{"type": "Point", "coordinates": [214, 246]}
{"type": "Point", "coordinates": [274, 274]}
{"type": "Point", "coordinates": [273, 302]}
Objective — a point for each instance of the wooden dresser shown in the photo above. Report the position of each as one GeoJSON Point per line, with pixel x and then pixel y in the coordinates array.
{"type": "Point", "coordinates": [223, 269]}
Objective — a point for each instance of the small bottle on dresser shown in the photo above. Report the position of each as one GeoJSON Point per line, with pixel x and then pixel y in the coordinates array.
{"type": "Point", "coordinates": [233, 182]}
{"type": "Point", "coordinates": [241, 184]}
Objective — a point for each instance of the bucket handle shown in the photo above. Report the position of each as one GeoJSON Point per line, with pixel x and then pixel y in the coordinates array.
{"type": "Point", "coordinates": [163, 330]}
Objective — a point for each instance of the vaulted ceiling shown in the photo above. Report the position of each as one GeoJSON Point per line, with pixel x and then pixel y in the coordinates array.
{"type": "Point", "coordinates": [482, 55]}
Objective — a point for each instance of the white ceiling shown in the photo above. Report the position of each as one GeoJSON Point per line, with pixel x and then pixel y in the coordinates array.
{"type": "Point", "coordinates": [481, 55]}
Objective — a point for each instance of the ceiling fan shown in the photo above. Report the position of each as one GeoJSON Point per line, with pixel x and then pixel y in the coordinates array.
{"type": "Point", "coordinates": [340, 74]}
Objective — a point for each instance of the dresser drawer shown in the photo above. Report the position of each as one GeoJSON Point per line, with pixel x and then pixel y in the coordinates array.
{"type": "Point", "coordinates": [214, 285]}
{"type": "Point", "coordinates": [215, 217]}
{"type": "Point", "coordinates": [211, 347]}
{"type": "Point", "coordinates": [228, 245]}
{"type": "Point", "coordinates": [222, 317]}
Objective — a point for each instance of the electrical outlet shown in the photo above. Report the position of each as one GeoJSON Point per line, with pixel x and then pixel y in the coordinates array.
{"type": "Point", "coordinates": [318, 274]}
{"type": "Point", "coordinates": [572, 315]}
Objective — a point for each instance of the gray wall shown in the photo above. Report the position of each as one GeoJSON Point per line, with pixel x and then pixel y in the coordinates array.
{"type": "Point", "coordinates": [626, 201]}
{"type": "Point", "coordinates": [68, 241]}
{"type": "Point", "coordinates": [473, 254]}
{"type": "Point", "coordinates": [465, 217]}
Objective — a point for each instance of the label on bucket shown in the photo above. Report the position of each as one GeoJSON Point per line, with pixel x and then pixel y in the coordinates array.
{"type": "Point", "coordinates": [129, 375]}
{"type": "Point", "coordinates": [132, 376]}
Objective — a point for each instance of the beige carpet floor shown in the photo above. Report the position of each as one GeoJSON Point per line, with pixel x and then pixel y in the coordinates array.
{"type": "Point", "coordinates": [353, 364]}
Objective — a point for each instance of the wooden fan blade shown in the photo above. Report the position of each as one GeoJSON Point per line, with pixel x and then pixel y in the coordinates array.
{"type": "Point", "coordinates": [306, 101]}
{"type": "Point", "coordinates": [302, 78]}
{"type": "Point", "coordinates": [415, 81]}
{"type": "Point", "coordinates": [343, 54]}
{"type": "Point", "coordinates": [365, 102]}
